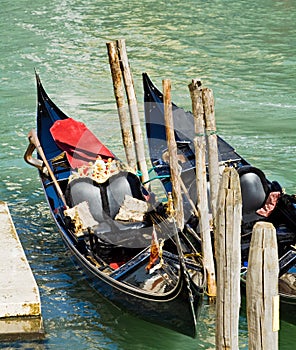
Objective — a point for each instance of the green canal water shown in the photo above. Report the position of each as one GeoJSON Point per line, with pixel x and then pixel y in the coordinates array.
{"type": "Point", "coordinates": [244, 50]}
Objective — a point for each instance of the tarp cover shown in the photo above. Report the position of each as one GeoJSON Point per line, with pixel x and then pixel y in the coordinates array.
{"type": "Point", "coordinates": [79, 143]}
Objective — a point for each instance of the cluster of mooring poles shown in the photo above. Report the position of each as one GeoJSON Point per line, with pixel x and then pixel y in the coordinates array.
{"type": "Point", "coordinates": [223, 261]}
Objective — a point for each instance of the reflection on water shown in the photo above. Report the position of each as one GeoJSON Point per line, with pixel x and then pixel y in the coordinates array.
{"type": "Point", "coordinates": [244, 51]}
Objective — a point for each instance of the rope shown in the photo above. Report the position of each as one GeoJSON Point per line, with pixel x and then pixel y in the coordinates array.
{"type": "Point", "coordinates": [158, 177]}
{"type": "Point", "coordinates": [207, 133]}
{"type": "Point", "coordinates": [211, 132]}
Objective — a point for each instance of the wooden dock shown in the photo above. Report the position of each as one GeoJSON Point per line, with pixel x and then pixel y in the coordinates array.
{"type": "Point", "coordinates": [20, 306]}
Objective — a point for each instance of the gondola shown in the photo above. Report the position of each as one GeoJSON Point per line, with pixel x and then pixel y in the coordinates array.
{"type": "Point", "coordinates": [255, 187]}
{"type": "Point", "coordinates": [126, 244]}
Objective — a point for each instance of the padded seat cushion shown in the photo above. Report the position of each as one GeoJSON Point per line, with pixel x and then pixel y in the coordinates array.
{"type": "Point", "coordinates": [254, 189]}
{"type": "Point", "coordinates": [85, 189]}
{"type": "Point", "coordinates": [119, 185]}
{"type": "Point", "coordinates": [104, 199]}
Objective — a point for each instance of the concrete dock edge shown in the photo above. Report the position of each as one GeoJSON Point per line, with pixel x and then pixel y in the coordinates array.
{"type": "Point", "coordinates": [20, 305]}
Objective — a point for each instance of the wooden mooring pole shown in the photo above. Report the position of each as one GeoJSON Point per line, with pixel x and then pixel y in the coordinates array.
{"type": "Point", "coordinates": [133, 109]}
{"type": "Point", "coordinates": [228, 259]}
{"type": "Point", "coordinates": [201, 182]}
{"type": "Point", "coordinates": [262, 288]}
{"type": "Point", "coordinates": [173, 159]}
{"type": "Point", "coordinates": [124, 119]}
{"type": "Point", "coordinates": [211, 133]}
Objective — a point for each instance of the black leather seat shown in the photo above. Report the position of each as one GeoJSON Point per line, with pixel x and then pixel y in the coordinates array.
{"type": "Point", "coordinates": [255, 190]}
{"type": "Point", "coordinates": [85, 189]}
{"type": "Point", "coordinates": [104, 199]}
{"type": "Point", "coordinates": [117, 187]}
{"type": "Point", "coordinates": [104, 202]}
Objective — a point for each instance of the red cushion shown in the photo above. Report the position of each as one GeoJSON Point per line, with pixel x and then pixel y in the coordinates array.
{"type": "Point", "coordinates": [79, 143]}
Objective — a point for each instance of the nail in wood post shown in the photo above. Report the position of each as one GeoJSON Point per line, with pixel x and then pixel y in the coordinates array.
{"type": "Point", "coordinates": [213, 167]}
{"type": "Point", "coordinates": [172, 148]}
{"type": "Point", "coordinates": [228, 258]}
{"type": "Point", "coordinates": [133, 108]}
{"type": "Point", "coordinates": [262, 288]}
{"type": "Point", "coordinates": [122, 112]}
{"type": "Point", "coordinates": [201, 184]}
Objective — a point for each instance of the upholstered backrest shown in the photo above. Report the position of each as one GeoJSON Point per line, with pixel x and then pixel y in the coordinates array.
{"type": "Point", "coordinates": [104, 199]}
{"type": "Point", "coordinates": [85, 189]}
{"type": "Point", "coordinates": [120, 185]}
{"type": "Point", "coordinates": [254, 189]}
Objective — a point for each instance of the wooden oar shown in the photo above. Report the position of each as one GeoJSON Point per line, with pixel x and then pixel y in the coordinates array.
{"type": "Point", "coordinates": [35, 144]}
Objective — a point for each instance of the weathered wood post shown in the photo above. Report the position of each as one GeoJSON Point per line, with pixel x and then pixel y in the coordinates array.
{"type": "Point", "coordinates": [173, 159]}
{"type": "Point", "coordinates": [211, 131]}
{"type": "Point", "coordinates": [133, 109]}
{"type": "Point", "coordinates": [262, 288]}
{"type": "Point", "coordinates": [201, 183]}
{"type": "Point", "coordinates": [120, 101]}
{"type": "Point", "coordinates": [228, 260]}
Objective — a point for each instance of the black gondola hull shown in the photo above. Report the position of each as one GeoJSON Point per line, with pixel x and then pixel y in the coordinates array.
{"type": "Point", "coordinates": [284, 215]}
{"type": "Point", "coordinates": [175, 308]}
